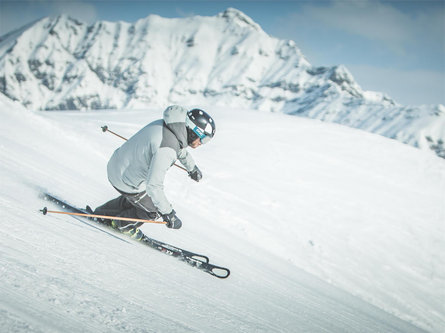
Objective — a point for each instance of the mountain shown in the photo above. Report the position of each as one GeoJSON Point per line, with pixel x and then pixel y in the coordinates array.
{"type": "Point", "coordinates": [335, 230]}
{"type": "Point", "coordinates": [226, 60]}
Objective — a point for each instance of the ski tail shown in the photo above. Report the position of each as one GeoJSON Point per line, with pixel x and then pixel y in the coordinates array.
{"type": "Point", "coordinates": [63, 204]}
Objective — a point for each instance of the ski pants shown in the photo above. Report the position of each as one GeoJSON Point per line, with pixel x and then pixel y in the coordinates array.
{"type": "Point", "coordinates": [137, 205]}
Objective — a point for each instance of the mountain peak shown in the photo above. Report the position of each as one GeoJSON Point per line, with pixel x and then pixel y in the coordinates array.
{"type": "Point", "coordinates": [232, 14]}
{"type": "Point", "coordinates": [61, 18]}
{"type": "Point", "coordinates": [61, 63]}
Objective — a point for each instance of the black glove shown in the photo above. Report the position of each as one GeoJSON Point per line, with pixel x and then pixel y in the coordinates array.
{"type": "Point", "coordinates": [172, 220]}
{"type": "Point", "coordinates": [195, 174]}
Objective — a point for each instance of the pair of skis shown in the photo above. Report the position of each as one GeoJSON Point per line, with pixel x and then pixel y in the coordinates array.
{"type": "Point", "coordinates": [199, 261]}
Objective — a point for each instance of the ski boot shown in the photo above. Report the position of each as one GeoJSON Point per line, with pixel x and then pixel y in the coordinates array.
{"type": "Point", "coordinates": [134, 233]}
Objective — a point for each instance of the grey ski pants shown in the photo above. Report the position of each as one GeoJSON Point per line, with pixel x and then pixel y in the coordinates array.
{"type": "Point", "coordinates": [137, 205]}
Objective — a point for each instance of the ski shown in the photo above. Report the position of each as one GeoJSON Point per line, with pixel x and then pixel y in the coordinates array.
{"type": "Point", "coordinates": [199, 261]}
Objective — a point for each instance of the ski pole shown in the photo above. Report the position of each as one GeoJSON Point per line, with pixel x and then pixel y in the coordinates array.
{"type": "Point", "coordinates": [46, 211]}
{"type": "Point", "coordinates": [105, 129]}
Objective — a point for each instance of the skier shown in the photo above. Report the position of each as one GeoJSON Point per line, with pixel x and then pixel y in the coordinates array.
{"type": "Point", "coordinates": [137, 169]}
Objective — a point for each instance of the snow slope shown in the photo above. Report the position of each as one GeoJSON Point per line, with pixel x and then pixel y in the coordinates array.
{"type": "Point", "coordinates": [325, 229]}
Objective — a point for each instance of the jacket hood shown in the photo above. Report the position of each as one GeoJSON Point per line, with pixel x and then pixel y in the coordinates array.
{"type": "Point", "coordinates": [174, 118]}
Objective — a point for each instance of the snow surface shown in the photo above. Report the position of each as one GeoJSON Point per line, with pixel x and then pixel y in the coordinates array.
{"type": "Point", "coordinates": [325, 229]}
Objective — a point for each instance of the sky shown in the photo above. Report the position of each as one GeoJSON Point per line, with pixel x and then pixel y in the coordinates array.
{"type": "Point", "coordinates": [396, 47]}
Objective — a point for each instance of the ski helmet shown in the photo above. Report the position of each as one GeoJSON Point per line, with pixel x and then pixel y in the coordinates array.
{"type": "Point", "coordinates": [199, 125]}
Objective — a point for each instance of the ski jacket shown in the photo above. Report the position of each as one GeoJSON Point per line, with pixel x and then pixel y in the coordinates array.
{"type": "Point", "coordinates": [141, 163]}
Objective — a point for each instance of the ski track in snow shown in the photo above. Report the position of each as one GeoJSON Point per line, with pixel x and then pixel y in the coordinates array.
{"type": "Point", "coordinates": [324, 228]}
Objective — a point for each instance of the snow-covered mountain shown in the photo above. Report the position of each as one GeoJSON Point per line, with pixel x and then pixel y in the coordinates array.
{"type": "Point", "coordinates": [225, 60]}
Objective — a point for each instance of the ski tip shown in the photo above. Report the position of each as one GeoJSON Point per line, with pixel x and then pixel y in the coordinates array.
{"type": "Point", "coordinates": [220, 272]}
{"type": "Point", "coordinates": [44, 210]}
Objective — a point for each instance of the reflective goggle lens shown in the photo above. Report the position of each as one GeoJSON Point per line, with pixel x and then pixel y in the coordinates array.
{"type": "Point", "coordinates": [205, 139]}
{"type": "Point", "coordinates": [201, 135]}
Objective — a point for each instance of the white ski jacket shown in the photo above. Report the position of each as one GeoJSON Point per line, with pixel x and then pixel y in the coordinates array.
{"type": "Point", "coordinates": [141, 163]}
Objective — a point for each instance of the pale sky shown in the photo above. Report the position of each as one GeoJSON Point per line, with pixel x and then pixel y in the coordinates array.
{"type": "Point", "coordinates": [396, 47]}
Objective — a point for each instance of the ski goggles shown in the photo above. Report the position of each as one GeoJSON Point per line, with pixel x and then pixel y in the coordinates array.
{"type": "Point", "coordinates": [203, 137]}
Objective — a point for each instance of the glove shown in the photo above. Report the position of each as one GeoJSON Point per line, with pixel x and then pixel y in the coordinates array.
{"type": "Point", "coordinates": [172, 220]}
{"type": "Point", "coordinates": [195, 174]}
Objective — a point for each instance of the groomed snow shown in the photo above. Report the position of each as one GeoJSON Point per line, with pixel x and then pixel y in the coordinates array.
{"type": "Point", "coordinates": [325, 229]}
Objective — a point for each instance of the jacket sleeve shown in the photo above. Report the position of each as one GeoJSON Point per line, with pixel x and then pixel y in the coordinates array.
{"type": "Point", "coordinates": [186, 159]}
{"type": "Point", "coordinates": [160, 163]}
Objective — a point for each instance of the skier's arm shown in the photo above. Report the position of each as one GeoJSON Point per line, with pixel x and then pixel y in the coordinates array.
{"type": "Point", "coordinates": [186, 159]}
{"type": "Point", "coordinates": [160, 163]}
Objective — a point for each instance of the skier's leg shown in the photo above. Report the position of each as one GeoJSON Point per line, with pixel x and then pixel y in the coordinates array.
{"type": "Point", "coordinates": [141, 207]}
{"type": "Point", "coordinates": [113, 207]}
